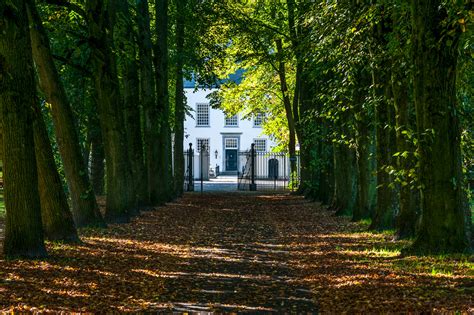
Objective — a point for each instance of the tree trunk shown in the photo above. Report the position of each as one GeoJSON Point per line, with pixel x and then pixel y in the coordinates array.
{"type": "Point", "coordinates": [326, 172]}
{"type": "Point", "coordinates": [57, 219]}
{"type": "Point", "coordinates": [307, 145]}
{"type": "Point", "coordinates": [161, 181]}
{"type": "Point", "coordinates": [345, 180]}
{"type": "Point", "coordinates": [131, 93]}
{"type": "Point", "coordinates": [384, 215]}
{"type": "Point", "coordinates": [97, 168]}
{"type": "Point", "coordinates": [147, 97]}
{"type": "Point", "coordinates": [84, 206]}
{"type": "Point", "coordinates": [444, 226]}
{"type": "Point", "coordinates": [407, 215]}
{"type": "Point", "coordinates": [120, 198]}
{"type": "Point", "coordinates": [288, 108]}
{"type": "Point", "coordinates": [23, 227]}
{"type": "Point", "coordinates": [179, 101]}
{"type": "Point", "coordinates": [362, 209]}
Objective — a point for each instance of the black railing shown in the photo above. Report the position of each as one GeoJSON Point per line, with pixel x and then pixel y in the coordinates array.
{"type": "Point", "coordinates": [269, 171]}
{"type": "Point", "coordinates": [189, 175]}
{"type": "Point", "coordinates": [243, 182]}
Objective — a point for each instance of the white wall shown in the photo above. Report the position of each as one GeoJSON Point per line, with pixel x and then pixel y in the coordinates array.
{"type": "Point", "coordinates": [216, 131]}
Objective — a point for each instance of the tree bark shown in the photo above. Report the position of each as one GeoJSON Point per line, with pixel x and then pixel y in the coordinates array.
{"type": "Point", "coordinates": [97, 168]}
{"type": "Point", "coordinates": [120, 197]}
{"type": "Point", "coordinates": [23, 227]}
{"type": "Point", "coordinates": [147, 97]}
{"type": "Point", "coordinates": [407, 215]}
{"type": "Point", "coordinates": [179, 100]}
{"type": "Point", "coordinates": [131, 97]}
{"type": "Point", "coordinates": [161, 180]}
{"type": "Point", "coordinates": [84, 206]}
{"type": "Point", "coordinates": [444, 226]}
{"type": "Point", "coordinates": [384, 215]}
{"type": "Point", "coordinates": [58, 223]}
{"type": "Point", "coordinates": [362, 210]}
{"type": "Point", "coordinates": [345, 180]}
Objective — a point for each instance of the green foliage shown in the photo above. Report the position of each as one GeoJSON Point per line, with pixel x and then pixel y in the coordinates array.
{"type": "Point", "coordinates": [244, 39]}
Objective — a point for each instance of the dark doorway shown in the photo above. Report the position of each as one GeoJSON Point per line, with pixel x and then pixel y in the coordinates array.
{"type": "Point", "coordinates": [273, 168]}
{"type": "Point", "coordinates": [230, 160]}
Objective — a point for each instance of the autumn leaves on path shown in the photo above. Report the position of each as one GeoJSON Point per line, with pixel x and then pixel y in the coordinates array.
{"type": "Point", "coordinates": [236, 252]}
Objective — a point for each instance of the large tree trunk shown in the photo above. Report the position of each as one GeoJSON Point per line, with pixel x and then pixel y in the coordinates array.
{"type": "Point", "coordinates": [345, 180]}
{"type": "Point", "coordinates": [179, 101]}
{"type": "Point", "coordinates": [120, 197]}
{"type": "Point", "coordinates": [84, 205]}
{"type": "Point", "coordinates": [147, 97]}
{"type": "Point", "coordinates": [444, 226]}
{"type": "Point", "coordinates": [57, 219]}
{"type": "Point", "coordinates": [131, 93]}
{"type": "Point", "coordinates": [362, 140]}
{"type": "Point", "coordinates": [23, 227]}
{"type": "Point", "coordinates": [384, 216]}
{"type": "Point", "coordinates": [161, 181]}
{"type": "Point", "coordinates": [407, 215]}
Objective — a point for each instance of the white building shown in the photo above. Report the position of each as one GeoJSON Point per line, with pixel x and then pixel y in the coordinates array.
{"type": "Point", "coordinates": [223, 137]}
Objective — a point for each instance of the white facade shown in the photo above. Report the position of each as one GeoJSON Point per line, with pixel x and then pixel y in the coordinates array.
{"type": "Point", "coordinates": [225, 137]}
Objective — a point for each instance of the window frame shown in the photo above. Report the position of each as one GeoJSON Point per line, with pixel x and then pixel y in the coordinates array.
{"type": "Point", "coordinates": [255, 119]}
{"type": "Point", "coordinates": [255, 140]}
{"type": "Point", "coordinates": [236, 116]}
{"type": "Point", "coordinates": [236, 147]}
{"type": "Point", "coordinates": [206, 140]}
{"type": "Point", "coordinates": [208, 115]}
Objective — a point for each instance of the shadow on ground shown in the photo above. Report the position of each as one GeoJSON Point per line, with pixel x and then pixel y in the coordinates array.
{"type": "Point", "coordinates": [231, 252]}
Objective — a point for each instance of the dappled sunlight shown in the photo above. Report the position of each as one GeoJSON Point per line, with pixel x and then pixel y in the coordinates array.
{"type": "Point", "coordinates": [66, 293]}
{"type": "Point", "coordinates": [287, 254]}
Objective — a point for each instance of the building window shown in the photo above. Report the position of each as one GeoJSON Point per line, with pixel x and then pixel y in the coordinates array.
{"type": "Point", "coordinates": [260, 145]}
{"type": "Point", "coordinates": [231, 143]}
{"type": "Point", "coordinates": [258, 120]}
{"type": "Point", "coordinates": [232, 121]}
{"type": "Point", "coordinates": [202, 111]}
{"type": "Point", "coordinates": [203, 142]}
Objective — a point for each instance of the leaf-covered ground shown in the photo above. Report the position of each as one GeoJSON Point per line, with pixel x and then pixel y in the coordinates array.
{"type": "Point", "coordinates": [237, 252]}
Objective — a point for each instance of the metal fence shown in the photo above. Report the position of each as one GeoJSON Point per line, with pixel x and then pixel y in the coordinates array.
{"type": "Point", "coordinates": [268, 171]}
{"type": "Point", "coordinates": [189, 169]}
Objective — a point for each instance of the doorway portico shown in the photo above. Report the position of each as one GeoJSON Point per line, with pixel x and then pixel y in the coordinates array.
{"type": "Point", "coordinates": [230, 149]}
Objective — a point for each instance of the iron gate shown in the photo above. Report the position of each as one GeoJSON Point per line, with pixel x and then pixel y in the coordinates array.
{"type": "Point", "coordinates": [268, 171]}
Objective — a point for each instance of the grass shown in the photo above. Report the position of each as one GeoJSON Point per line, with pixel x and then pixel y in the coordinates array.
{"type": "Point", "coordinates": [441, 265]}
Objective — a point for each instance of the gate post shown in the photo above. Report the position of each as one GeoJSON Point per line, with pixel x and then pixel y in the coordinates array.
{"type": "Point", "coordinates": [190, 168]}
{"type": "Point", "coordinates": [253, 186]}
{"type": "Point", "coordinates": [201, 165]}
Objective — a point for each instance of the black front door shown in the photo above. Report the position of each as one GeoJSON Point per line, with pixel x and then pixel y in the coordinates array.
{"type": "Point", "coordinates": [230, 160]}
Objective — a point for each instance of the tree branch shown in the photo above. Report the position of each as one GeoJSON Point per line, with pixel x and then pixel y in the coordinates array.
{"type": "Point", "coordinates": [68, 5]}
{"type": "Point", "coordinates": [76, 66]}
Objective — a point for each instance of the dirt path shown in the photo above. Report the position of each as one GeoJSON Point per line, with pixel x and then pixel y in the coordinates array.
{"type": "Point", "coordinates": [232, 252]}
